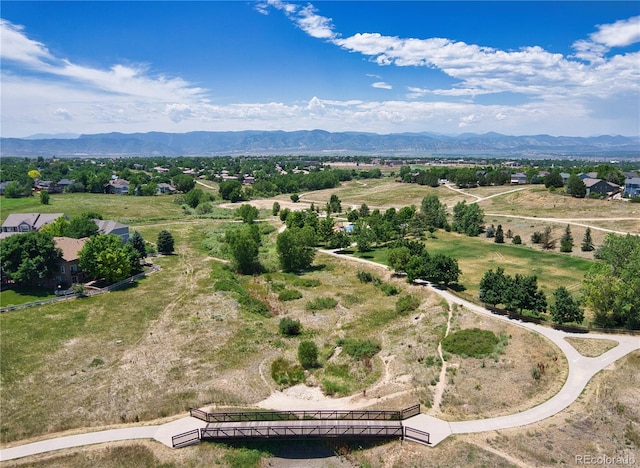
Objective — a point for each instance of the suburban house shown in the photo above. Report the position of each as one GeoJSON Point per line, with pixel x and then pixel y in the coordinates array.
{"type": "Point", "coordinates": [26, 222]}
{"type": "Point", "coordinates": [518, 178]}
{"type": "Point", "coordinates": [64, 183]}
{"type": "Point", "coordinates": [68, 271]}
{"type": "Point", "coordinates": [117, 187]}
{"type": "Point", "coordinates": [599, 186]}
{"type": "Point", "coordinates": [588, 175]}
{"type": "Point", "coordinates": [565, 176]}
{"type": "Point", "coordinates": [632, 187]}
{"type": "Point", "coordinates": [107, 226]}
{"type": "Point", "coordinates": [163, 188]}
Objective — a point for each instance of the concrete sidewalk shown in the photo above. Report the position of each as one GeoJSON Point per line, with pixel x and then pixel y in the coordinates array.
{"type": "Point", "coordinates": [90, 438]}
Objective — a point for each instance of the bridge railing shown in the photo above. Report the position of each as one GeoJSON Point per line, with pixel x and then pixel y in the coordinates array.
{"type": "Point", "coordinates": [416, 435]}
{"type": "Point", "coordinates": [186, 438]}
{"type": "Point", "coordinates": [307, 431]}
{"type": "Point", "coordinates": [371, 415]}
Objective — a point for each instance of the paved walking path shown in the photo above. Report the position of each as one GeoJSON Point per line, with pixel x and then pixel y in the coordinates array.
{"type": "Point", "coordinates": [581, 370]}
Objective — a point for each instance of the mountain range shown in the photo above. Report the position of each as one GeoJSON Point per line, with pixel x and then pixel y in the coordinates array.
{"type": "Point", "coordinates": [318, 142]}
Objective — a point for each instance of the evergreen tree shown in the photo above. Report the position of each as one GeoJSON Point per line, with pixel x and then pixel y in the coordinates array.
{"type": "Point", "coordinates": [566, 242]}
{"type": "Point", "coordinates": [137, 242]}
{"type": "Point", "coordinates": [44, 197]}
{"type": "Point", "coordinates": [565, 308]}
{"type": "Point", "coordinates": [165, 242]}
{"type": "Point", "coordinates": [576, 187]}
{"type": "Point", "coordinates": [587, 242]}
{"type": "Point", "coordinates": [499, 239]}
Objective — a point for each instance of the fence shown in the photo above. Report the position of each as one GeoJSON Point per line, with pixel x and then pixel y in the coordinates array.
{"type": "Point", "coordinates": [306, 431]}
{"type": "Point", "coordinates": [368, 415]}
{"type": "Point", "coordinates": [416, 435]}
{"type": "Point", "coordinates": [185, 439]}
{"type": "Point", "coordinates": [106, 289]}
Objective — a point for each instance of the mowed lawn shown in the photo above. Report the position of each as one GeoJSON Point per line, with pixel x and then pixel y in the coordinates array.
{"type": "Point", "coordinates": [122, 208]}
{"type": "Point", "coordinates": [476, 256]}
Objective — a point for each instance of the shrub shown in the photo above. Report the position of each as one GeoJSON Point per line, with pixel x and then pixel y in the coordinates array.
{"type": "Point", "coordinates": [331, 388]}
{"type": "Point", "coordinates": [471, 342]}
{"type": "Point", "coordinates": [407, 303]}
{"type": "Point", "coordinates": [321, 303]}
{"type": "Point", "coordinates": [289, 295]}
{"type": "Point", "coordinates": [285, 373]}
{"type": "Point", "coordinates": [290, 327]}
{"type": "Point", "coordinates": [308, 354]}
{"type": "Point", "coordinates": [306, 282]}
{"type": "Point", "coordinates": [359, 349]}
{"type": "Point", "coordinates": [254, 306]}
{"type": "Point", "coordinates": [517, 240]}
{"type": "Point", "coordinates": [365, 277]}
{"type": "Point", "coordinates": [389, 289]}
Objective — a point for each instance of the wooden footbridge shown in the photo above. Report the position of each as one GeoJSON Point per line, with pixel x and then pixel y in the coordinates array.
{"type": "Point", "coordinates": [278, 425]}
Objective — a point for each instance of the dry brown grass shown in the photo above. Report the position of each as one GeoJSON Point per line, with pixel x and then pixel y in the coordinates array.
{"type": "Point", "coordinates": [591, 347]}
{"type": "Point", "coordinates": [471, 391]}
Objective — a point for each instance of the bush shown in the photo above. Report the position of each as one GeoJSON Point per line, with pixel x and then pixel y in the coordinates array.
{"type": "Point", "coordinates": [289, 295]}
{"type": "Point", "coordinates": [406, 304]}
{"type": "Point", "coordinates": [289, 327]}
{"type": "Point", "coordinates": [471, 342]}
{"type": "Point", "coordinates": [306, 282]}
{"type": "Point", "coordinates": [389, 289]}
{"type": "Point", "coordinates": [285, 373]}
{"type": "Point", "coordinates": [321, 303]}
{"type": "Point", "coordinates": [517, 240]}
{"type": "Point", "coordinates": [365, 277]}
{"type": "Point", "coordinates": [359, 349]}
{"type": "Point", "coordinates": [254, 306]}
{"type": "Point", "coordinates": [331, 388]}
{"type": "Point", "coordinates": [308, 354]}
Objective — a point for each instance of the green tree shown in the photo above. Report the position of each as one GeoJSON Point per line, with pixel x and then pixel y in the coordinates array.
{"type": "Point", "coordinates": [230, 190]}
{"type": "Point", "coordinates": [326, 228]}
{"type": "Point", "coordinates": [295, 198]}
{"type": "Point", "coordinates": [398, 258]}
{"type": "Point", "coordinates": [492, 287]}
{"type": "Point", "coordinates": [566, 241]}
{"type": "Point", "coordinates": [308, 354]}
{"type": "Point", "coordinates": [499, 238]}
{"type": "Point", "coordinates": [467, 219]}
{"type": "Point", "coordinates": [44, 197]}
{"type": "Point", "coordinates": [104, 256]}
{"type": "Point", "coordinates": [193, 197]}
{"type": "Point", "coordinates": [587, 242]}
{"type": "Point", "coordinates": [435, 212]}
{"type": "Point", "coordinates": [334, 205]}
{"type": "Point", "coordinates": [137, 242]}
{"type": "Point", "coordinates": [443, 269]}
{"type": "Point", "coordinates": [565, 309]}
{"type": "Point", "coordinates": [364, 237]}
{"type": "Point", "coordinates": [248, 213]}
{"type": "Point", "coordinates": [576, 187]}
{"type": "Point", "coordinates": [82, 226]}
{"type": "Point", "coordinates": [553, 179]}
{"type": "Point", "coordinates": [295, 247]}
{"type": "Point", "coordinates": [275, 209]}
{"type": "Point", "coordinates": [16, 190]}
{"type": "Point", "coordinates": [165, 244]}
{"type": "Point", "coordinates": [612, 286]}
{"type": "Point", "coordinates": [244, 249]}
{"type": "Point", "coordinates": [183, 183]}
{"type": "Point", "coordinates": [58, 228]}
{"type": "Point", "coordinates": [28, 257]}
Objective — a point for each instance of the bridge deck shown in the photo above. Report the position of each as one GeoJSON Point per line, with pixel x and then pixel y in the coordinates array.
{"type": "Point", "coordinates": [302, 428]}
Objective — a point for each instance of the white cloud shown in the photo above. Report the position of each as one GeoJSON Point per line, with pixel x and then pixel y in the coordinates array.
{"type": "Point", "coordinates": [619, 34]}
{"type": "Point", "coordinates": [63, 113]}
{"type": "Point", "coordinates": [381, 85]}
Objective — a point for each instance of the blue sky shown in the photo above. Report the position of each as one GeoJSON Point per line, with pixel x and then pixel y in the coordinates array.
{"type": "Point", "coordinates": [561, 68]}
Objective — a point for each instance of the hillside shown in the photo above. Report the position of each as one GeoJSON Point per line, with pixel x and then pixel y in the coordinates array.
{"type": "Point", "coordinates": [319, 142]}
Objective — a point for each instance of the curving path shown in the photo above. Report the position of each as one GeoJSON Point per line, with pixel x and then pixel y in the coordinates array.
{"type": "Point", "coordinates": [581, 370]}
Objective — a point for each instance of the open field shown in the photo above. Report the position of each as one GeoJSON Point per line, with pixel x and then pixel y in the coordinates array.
{"type": "Point", "coordinates": [173, 341]}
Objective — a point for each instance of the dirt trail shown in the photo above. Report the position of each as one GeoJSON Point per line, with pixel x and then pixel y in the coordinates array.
{"type": "Point", "coordinates": [439, 391]}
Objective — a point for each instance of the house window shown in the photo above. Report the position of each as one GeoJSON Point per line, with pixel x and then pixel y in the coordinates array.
{"type": "Point", "coordinates": [61, 268]}
{"type": "Point", "coordinates": [73, 269]}
{"type": "Point", "coordinates": [74, 279]}
{"type": "Point", "coordinates": [24, 228]}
